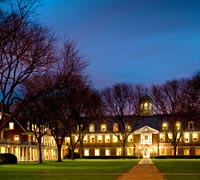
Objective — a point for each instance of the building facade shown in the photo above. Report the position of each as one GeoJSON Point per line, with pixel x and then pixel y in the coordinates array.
{"type": "Point", "coordinates": [149, 138]}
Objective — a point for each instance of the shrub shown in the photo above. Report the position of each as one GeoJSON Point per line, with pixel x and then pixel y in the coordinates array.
{"type": "Point", "coordinates": [76, 156]}
{"type": "Point", "coordinates": [7, 158]}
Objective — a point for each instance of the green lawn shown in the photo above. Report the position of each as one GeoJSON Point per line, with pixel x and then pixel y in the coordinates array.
{"type": "Point", "coordinates": [176, 169]}
{"type": "Point", "coordinates": [68, 170]}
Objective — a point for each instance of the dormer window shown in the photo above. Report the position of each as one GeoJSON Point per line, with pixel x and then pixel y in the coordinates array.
{"type": "Point", "coordinates": [178, 125]}
{"type": "Point", "coordinates": [91, 128]}
{"type": "Point", "coordinates": [190, 125]}
{"type": "Point", "coordinates": [115, 127]}
{"type": "Point", "coordinates": [164, 126]}
{"type": "Point", "coordinates": [11, 125]}
{"type": "Point", "coordinates": [128, 127]}
{"type": "Point", "coordinates": [103, 127]}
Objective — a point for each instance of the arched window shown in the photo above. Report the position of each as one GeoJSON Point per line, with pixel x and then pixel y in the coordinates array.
{"type": "Point", "coordinates": [115, 127]}
{"type": "Point", "coordinates": [91, 127]}
{"type": "Point", "coordinates": [103, 128]}
{"type": "Point", "coordinates": [191, 125]}
{"type": "Point", "coordinates": [165, 126]}
{"type": "Point", "coordinates": [178, 125]}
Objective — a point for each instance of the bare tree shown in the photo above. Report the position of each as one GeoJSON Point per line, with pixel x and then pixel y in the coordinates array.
{"type": "Point", "coordinates": [172, 100]}
{"type": "Point", "coordinates": [86, 105]}
{"type": "Point", "coordinates": [122, 103]}
{"type": "Point", "coordinates": [26, 49]}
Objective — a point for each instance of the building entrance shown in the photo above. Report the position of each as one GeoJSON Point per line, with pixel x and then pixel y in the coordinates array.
{"type": "Point", "coordinates": [146, 153]}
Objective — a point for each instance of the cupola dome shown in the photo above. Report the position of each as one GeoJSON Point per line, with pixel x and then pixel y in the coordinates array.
{"type": "Point", "coordinates": [146, 105]}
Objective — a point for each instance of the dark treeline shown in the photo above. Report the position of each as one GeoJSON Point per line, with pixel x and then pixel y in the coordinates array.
{"type": "Point", "coordinates": [46, 88]}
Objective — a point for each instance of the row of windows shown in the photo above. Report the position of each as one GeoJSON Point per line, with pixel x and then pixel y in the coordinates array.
{"type": "Point", "coordinates": [187, 137]}
{"type": "Point", "coordinates": [107, 152]}
{"type": "Point", "coordinates": [115, 127]}
{"type": "Point", "coordinates": [101, 139]}
{"type": "Point", "coordinates": [178, 125]}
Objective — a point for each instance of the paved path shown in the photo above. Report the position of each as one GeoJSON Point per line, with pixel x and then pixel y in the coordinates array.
{"type": "Point", "coordinates": [144, 170]}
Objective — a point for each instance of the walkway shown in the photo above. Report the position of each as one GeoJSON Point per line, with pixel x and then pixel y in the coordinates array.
{"type": "Point", "coordinates": [142, 171]}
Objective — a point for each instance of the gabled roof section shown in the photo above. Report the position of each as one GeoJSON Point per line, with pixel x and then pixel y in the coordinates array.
{"type": "Point", "coordinates": [146, 129]}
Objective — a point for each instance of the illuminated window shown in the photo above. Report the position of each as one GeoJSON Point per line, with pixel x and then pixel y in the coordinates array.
{"type": "Point", "coordinates": [186, 151]}
{"type": "Point", "coordinates": [190, 125]}
{"type": "Point", "coordinates": [85, 139]}
{"type": "Point", "coordinates": [92, 138]}
{"type": "Point", "coordinates": [67, 140]}
{"type": "Point", "coordinates": [195, 136]}
{"type": "Point", "coordinates": [11, 125]}
{"type": "Point", "coordinates": [99, 138]}
{"type": "Point", "coordinates": [129, 151]}
{"type": "Point", "coordinates": [16, 137]}
{"type": "Point", "coordinates": [107, 152]}
{"type": "Point", "coordinates": [118, 151]}
{"type": "Point", "coordinates": [128, 127]}
{"type": "Point", "coordinates": [150, 106]}
{"type": "Point", "coordinates": [91, 128]}
{"type": "Point", "coordinates": [96, 152]}
{"type": "Point", "coordinates": [115, 127]}
{"type": "Point", "coordinates": [115, 139]}
{"type": "Point", "coordinates": [162, 137]}
{"type": "Point", "coordinates": [86, 152]}
{"type": "Point", "coordinates": [145, 105]}
{"type": "Point", "coordinates": [170, 136]}
{"type": "Point", "coordinates": [178, 126]}
{"type": "Point", "coordinates": [130, 138]}
{"type": "Point", "coordinates": [146, 138]}
{"type": "Point", "coordinates": [186, 137]}
{"type": "Point", "coordinates": [103, 127]}
{"type": "Point", "coordinates": [107, 138]}
{"type": "Point", "coordinates": [164, 126]}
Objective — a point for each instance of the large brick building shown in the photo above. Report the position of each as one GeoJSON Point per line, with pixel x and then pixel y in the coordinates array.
{"type": "Point", "coordinates": [101, 138]}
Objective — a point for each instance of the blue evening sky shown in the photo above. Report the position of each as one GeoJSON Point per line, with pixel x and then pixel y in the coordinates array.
{"type": "Point", "coordinates": [134, 41]}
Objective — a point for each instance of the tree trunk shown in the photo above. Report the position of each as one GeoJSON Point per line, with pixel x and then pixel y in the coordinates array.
{"type": "Point", "coordinates": [175, 149]}
{"type": "Point", "coordinates": [59, 153]}
{"type": "Point", "coordinates": [81, 150]}
{"type": "Point", "coordinates": [40, 150]}
{"type": "Point", "coordinates": [123, 150]}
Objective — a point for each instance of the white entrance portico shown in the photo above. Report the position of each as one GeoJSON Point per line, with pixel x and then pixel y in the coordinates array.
{"type": "Point", "coordinates": [146, 142]}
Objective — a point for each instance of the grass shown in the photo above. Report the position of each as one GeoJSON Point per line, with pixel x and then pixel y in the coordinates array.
{"type": "Point", "coordinates": [68, 170]}
{"type": "Point", "coordinates": [176, 169]}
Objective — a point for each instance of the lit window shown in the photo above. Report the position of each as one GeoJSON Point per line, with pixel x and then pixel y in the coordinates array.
{"type": "Point", "coordinates": [103, 127]}
{"type": "Point", "coordinates": [107, 138]}
{"type": "Point", "coordinates": [107, 152]}
{"type": "Point", "coordinates": [11, 125]}
{"type": "Point", "coordinates": [190, 125]}
{"type": "Point", "coordinates": [92, 138]}
{"type": "Point", "coordinates": [96, 152]}
{"type": "Point", "coordinates": [146, 138]}
{"type": "Point", "coordinates": [85, 139]}
{"type": "Point", "coordinates": [195, 137]}
{"type": "Point", "coordinates": [145, 105]}
{"type": "Point", "coordinates": [86, 152]}
{"type": "Point", "coordinates": [162, 137]}
{"type": "Point", "coordinates": [170, 136]}
{"type": "Point", "coordinates": [186, 137]}
{"type": "Point", "coordinates": [128, 127]}
{"type": "Point", "coordinates": [99, 138]}
{"type": "Point", "coordinates": [91, 128]}
{"type": "Point", "coordinates": [164, 126]}
{"type": "Point", "coordinates": [67, 140]}
{"type": "Point", "coordinates": [115, 139]}
{"type": "Point", "coordinates": [115, 127]}
{"type": "Point", "coordinates": [118, 151]}
{"type": "Point", "coordinates": [186, 151]}
{"type": "Point", "coordinates": [16, 137]}
{"type": "Point", "coordinates": [178, 125]}
{"type": "Point", "coordinates": [130, 138]}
